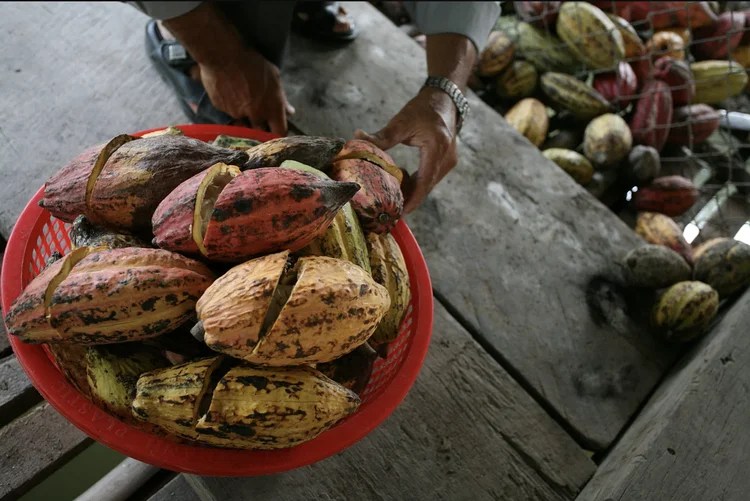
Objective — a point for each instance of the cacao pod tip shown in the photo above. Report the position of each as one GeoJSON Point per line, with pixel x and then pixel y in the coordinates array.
{"type": "Point", "coordinates": [346, 190]}
{"type": "Point", "coordinates": [198, 332]}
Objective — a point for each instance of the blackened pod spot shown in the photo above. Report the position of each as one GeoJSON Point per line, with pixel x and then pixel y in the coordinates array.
{"type": "Point", "coordinates": [220, 215]}
{"type": "Point", "coordinates": [363, 289]}
{"type": "Point", "coordinates": [300, 192]}
{"type": "Point", "coordinates": [243, 205]}
{"type": "Point", "coordinates": [258, 382]}
{"type": "Point", "coordinates": [149, 304]}
{"type": "Point", "coordinates": [243, 431]}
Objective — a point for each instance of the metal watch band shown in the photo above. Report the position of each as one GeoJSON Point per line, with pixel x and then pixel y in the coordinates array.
{"type": "Point", "coordinates": [462, 104]}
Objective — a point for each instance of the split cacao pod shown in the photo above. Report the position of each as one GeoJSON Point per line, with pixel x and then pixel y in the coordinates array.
{"type": "Point", "coordinates": [660, 229]}
{"type": "Point", "coordinates": [655, 267]}
{"type": "Point", "coordinates": [542, 15]}
{"type": "Point", "coordinates": [389, 270]}
{"type": "Point", "coordinates": [496, 55]}
{"type": "Point", "coordinates": [618, 86]}
{"type": "Point", "coordinates": [644, 164]}
{"type": "Point", "coordinates": [85, 234]}
{"type": "Point", "coordinates": [601, 46]}
{"type": "Point", "coordinates": [573, 163]}
{"type": "Point", "coordinates": [724, 264]}
{"type": "Point", "coordinates": [695, 122]}
{"type": "Point", "coordinates": [717, 80]}
{"type": "Point", "coordinates": [607, 140]}
{"type": "Point", "coordinates": [653, 115]}
{"type": "Point", "coordinates": [677, 75]}
{"type": "Point", "coordinates": [571, 94]}
{"type": "Point", "coordinates": [267, 312]}
{"type": "Point", "coordinates": [720, 40]}
{"type": "Point", "coordinates": [545, 51]}
{"type": "Point", "coordinates": [317, 152]}
{"type": "Point", "coordinates": [685, 310]}
{"type": "Point", "coordinates": [518, 81]}
{"type": "Point", "coordinates": [234, 143]}
{"type": "Point", "coordinates": [666, 44]}
{"type": "Point", "coordinates": [529, 117]}
{"type": "Point", "coordinates": [669, 195]}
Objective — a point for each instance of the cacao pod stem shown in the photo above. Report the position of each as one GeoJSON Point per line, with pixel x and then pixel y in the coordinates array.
{"type": "Point", "coordinates": [197, 331]}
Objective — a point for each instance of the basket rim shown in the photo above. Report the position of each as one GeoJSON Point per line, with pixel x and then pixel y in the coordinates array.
{"type": "Point", "coordinates": [193, 459]}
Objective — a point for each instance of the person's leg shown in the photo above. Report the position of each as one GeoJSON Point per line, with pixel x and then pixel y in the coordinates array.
{"type": "Point", "coordinates": [324, 21]}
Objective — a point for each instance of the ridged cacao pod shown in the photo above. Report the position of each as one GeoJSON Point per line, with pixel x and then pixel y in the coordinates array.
{"type": "Point", "coordinates": [683, 33]}
{"type": "Point", "coordinates": [574, 164]}
{"type": "Point", "coordinates": [685, 310]}
{"type": "Point", "coordinates": [669, 195]}
{"type": "Point", "coordinates": [659, 229]}
{"type": "Point", "coordinates": [519, 80]}
{"type": "Point", "coordinates": [497, 54]}
{"type": "Point", "coordinates": [720, 40]}
{"type": "Point", "coordinates": [607, 140]}
{"type": "Point", "coordinates": [678, 76]}
{"type": "Point", "coordinates": [644, 164]}
{"type": "Point", "coordinates": [573, 95]}
{"type": "Point", "coordinates": [529, 117]}
{"type": "Point", "coordinates": [317, 152]}
{"type": "Point", "coordinates": [724, 264]}
{"type": "Point", "coordinates": [544, 51]}
{"type": "Point", "coordinates": [389, 270]}
{"type": "Point", "coordinates": [696, 122]}
{"type": "Point", "coordinates": [666, 44]}
{"type": "Point", "coordinates": [542, 15]}
{"type": "Point", "coordinates": [602, 46]}
{"type": "Point", "coordinates": [365, 150]}
{"type": "Point", "coordinates": [655, 267]}
{"type": "Point", "coordinates": [653, 115]}
{"type": "Point", "coordinates": [632, 42]}
{"type": "Point", "coordinates": [618, 86]}
{"type": "Point", "coordinates": [716, 80]}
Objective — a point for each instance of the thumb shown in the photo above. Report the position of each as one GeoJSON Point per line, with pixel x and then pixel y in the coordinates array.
{"type": "Point", "coordinates": [386, 138]}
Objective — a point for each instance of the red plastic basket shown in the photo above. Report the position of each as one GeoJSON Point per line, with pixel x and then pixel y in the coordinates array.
{"type": "Point", "coordinates": [37, 234]}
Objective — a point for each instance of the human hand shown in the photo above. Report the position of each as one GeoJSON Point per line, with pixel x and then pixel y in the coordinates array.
{"type": "Point", "coordinates": [248, 86]}
{"type": "Point", "coordinates": [428, 122]}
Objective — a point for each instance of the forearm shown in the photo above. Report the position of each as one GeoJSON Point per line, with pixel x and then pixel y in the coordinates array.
{"type": "Point", "coordinates": [451, 56]}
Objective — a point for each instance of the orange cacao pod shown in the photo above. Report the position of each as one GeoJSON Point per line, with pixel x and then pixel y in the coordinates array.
{"type": "Point", "coordinates": [660, 229]}
{"type": "Point", "coordinates": [698, 121]}
{"type": "Point", "coordinates": [678, 75]}
{"type": "Point", "coordinates": [666, 44]}
{"type": "Point", "coordinates": [668, 195]}
{"type": "Point", "coordinates": [653, 115]}
{"type": "Point", "coordinates": [619, 85]}
{"type": "Point", "coordinates": [718, 41]}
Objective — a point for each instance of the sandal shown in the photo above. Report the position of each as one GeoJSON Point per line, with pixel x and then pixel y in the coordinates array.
{"type": "Point", "coordinates": [319, 20]}
{"type": "Point", "coordinates": [173, 63]}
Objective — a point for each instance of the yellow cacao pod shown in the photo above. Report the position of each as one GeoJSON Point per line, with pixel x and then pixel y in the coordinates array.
{"type": "Point", "coordinates": [519, 80]}
{"type": "Point", "coordinates": [576, 165]}
{"type": "Point", "coordinates": [529, 117]}
{"type": "Point", "coordinates": [592, 36]}
{"type": "Point", "coordinates": [717, 80]}
{"type": "Point", "coordinates": [497, 54]}
{"type": "Point", "coordinates": [685, 310]}
{"type": "Point", "coordinates": [631, 41]}
{"type": "Point", "coordinates": [607, 140]}
{"type": "Point", "coordinates": [545, 51]}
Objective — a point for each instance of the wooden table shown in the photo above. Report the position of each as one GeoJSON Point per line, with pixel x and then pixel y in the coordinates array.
{"type": "Point", "coordinates": [536, 356]}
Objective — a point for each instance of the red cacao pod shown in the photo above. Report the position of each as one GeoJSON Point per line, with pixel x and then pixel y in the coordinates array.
{"type": "Point", "coordinates": [698, 120]}
{"type": "Point", "coordinates": [668, 195]}
{"type": "Point", "coordinates": [617, 86]}
{"type": "Point", "coordinates": [541, 15]}
{"type": "Point", "coordinates": [720, 39]}
{"type": "Point", "coordinates": [678, 75]}
{"type": "Point", "coordinates": [667, 14]}
{"type": "Point", "coordinates": [653, 115]}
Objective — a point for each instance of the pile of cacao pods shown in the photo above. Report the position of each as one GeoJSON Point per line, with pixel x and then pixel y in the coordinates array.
{"type": "Point", "coordinates": [603, 94]}
{"type": "Point", "coordinates": [230, 294]}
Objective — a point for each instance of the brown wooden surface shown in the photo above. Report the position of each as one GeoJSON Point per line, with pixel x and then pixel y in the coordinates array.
{"type": "Point", "coordinates": [466, 431]}
{"type": "Point", "coordinates": [33, 446]}
{"type": "Point", "coordinates": [16, 391]}
{"type": "Point", "coordinates": [690, 443]}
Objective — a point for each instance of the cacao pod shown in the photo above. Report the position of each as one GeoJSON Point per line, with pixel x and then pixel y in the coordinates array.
{"type": "Point", "coordinates": [140, 174]}
{"type": "Point", "coordinates": [269, 209]}
{"type": "Point", "coordinates": [669, 195]}
{"type": "Point", "coordinates": [685, 310]}
{"type": "Point", "coordinates": [353, 370]}
{"type": "Point", "coordinates": [631, 41]}
{"type": "Point", "coordinates": [317, 152]}
{"type": "Point", "coordinates": [365, 150]}
{"type": "Point", "coordinates": [653, 115]}
{"type": "Point", "coordinates": [274, 408]}
{"type": "Point", "coordinates": [529, 117]}
{"type": "Point", "coordinates": [655, 267]}
{"type": "Point", "coordinates": [542, 15]}
{"type": "Point", "coordinates": [724, 264]}
{"type": "Point", "coordinates": [544, 51]}
{"type": "Point", "coordinates": [71, 360]}
{"type": "Point", "coordinates": [389, 270]}
{"type": "Point", "coordinates": [644, 164]}
{"type": "Point", "coordinates": [234, 143]}
{"type": "Point", "coordinates": [677, 75]}
{"type": "Point", "coordinates": [601, 183]}
{"type": "Point", "coordinates": [569, 139]}
{"type": "Point", "coordinates": [618, 86]}
{"type": "Point", "coordinates": [717, 80]}
{"type": "Point", "coordinates": [720, 40]}
{"type": "Point", "coordinates": [742, 55]}
{"type": "Point", "coordinates": [660, 229]}
{"type": "Point", "coordinates": [519, 80]}
{"type": "Point", "coordinates": [666, 44]}
{"type": "Point", "coordinates": [695, 122]}
{"type": "Point", "coordinates": [664, 14]}
{"type": "Point", "coordinates": [379, 203]}
{"type": "Point", "coordinates": [573, 95]}
{"type": "Point", "coordinates": [85, 234]}
{"type": "Point", "coordinates": [607, 140]}
{"type": "Point", "coordinates": [682, 32]}
{"type": "Point", "coordinates": [169, 131]}
{"type": "Point", "coordinates": [496, 55]}
{"type": "Point", "coordinates": [268, 313]}
{"type": "Point", "coordinates": [574, 164]}
{"type": "Point", "coordinates": [601, 45]}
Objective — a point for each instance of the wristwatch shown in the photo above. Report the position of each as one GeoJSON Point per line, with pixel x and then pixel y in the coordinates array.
{"type": "Point", "coordinates": [462, 104]}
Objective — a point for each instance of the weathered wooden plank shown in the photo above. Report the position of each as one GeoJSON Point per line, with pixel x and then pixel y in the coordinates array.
{"type": "Point", "coordinates": [690, 442]}
{"type": "Point", "coordinates": [520, 250]}
{"type": "Point", "coordinates": [176, 490]}
{"type": "Point", "coordinates": [33, 446]}
{"type": "Point", "coordinates": [466, 431]}
{"type": "Point", "coordinates": [16, 391]}
{"type": "Point", "coordinates": [120, 483]}
{"type": "Point", "coordinates": [62, 92]}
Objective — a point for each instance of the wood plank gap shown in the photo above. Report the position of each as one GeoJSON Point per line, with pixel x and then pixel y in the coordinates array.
{"type": "Point", "coordinates": [155, 484]}
{"type": "Point", "coordinates": [17, 394]}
